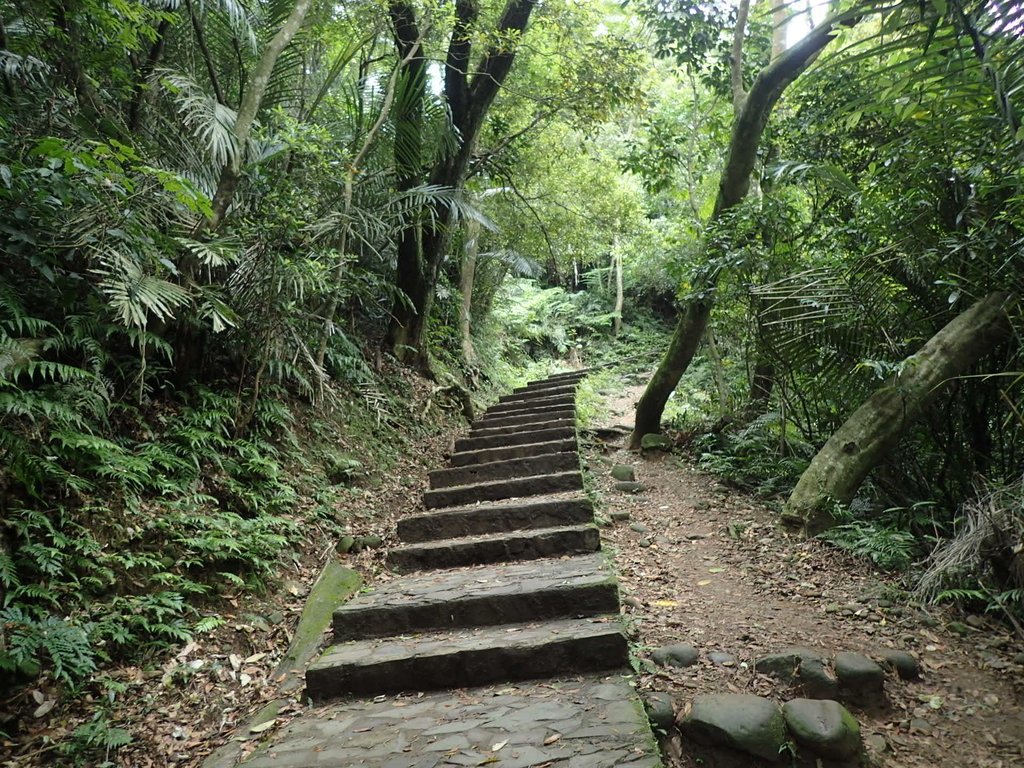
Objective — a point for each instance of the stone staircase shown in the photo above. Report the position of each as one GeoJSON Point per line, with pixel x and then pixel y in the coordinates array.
{"type": "Point", "coordinates": [503, 581]}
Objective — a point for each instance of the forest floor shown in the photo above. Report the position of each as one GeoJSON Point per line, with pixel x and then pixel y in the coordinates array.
{"type": "Point", "coordinates": [178, 708]}
{"type": "Point", "coordinates": [703, 564]}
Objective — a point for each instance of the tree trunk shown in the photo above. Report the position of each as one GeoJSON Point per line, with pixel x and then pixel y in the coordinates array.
{"type": "Point", "coordinates": [619, 298]}
{"type": "Point", "coordinates": [733, 186]}
{"type": "Point", "coordinates": [469, 101]}
{"type": "Point", "coordinates": [467, 276]}
{"type": "Point", "coordinates": [762, 382]}
{"type": "Point", "coordinates": [837, 471]}
{"type": "Point", "coordinates": [231, 173]}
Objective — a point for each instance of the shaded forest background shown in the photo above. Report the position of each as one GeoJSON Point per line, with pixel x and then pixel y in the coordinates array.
{"type": "Point", "coordinates": [236, 233]}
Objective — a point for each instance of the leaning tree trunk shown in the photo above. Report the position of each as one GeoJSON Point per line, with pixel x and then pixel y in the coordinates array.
{"type": "Point", "coordinates": [753, 112]}
{"type": "Point", "coordinates": [875, 428]}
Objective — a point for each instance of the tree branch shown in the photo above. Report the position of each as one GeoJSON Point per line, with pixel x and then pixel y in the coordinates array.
{"type": "Point", "coordinates": [460, 48]}
{"type": "Point", "coordinates": [204, 49]}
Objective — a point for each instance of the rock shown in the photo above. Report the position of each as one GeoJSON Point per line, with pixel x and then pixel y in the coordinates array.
{"type": "Point", "coordinates": [876, 742]}
{"type": "Point", "coordinates": [785, 665]}
{"type": "Point", "coordinates": [905, 665]}
{"type": "Point", "coordinates": [632, 602]}
{"type": "Point", "coordinates": [747, 723]}
{"type": "Point", "coordinates": [618, 515]}
{"type": "Point", "coordinates": [645, 543]}
{"type": "Point", "coordinates": [958, 627]}
{"type": "Point", "coordinates": [628, 486]}
{"type": "Point", "coordinates": [371, 541]}
{"type": "Point", "coordinates": [816, 680]}
{"type": "Point", "coordinates": [639, 527]}
{"type": "Point", "coordinates": [345, 544]}
{"type": "Point", "coordinates": [1019, 658]}
{"type": "Point", "coordinates": [722, 659]}
{"type": "Point", "coordinates": [860, 679]}
{"type": "Point", "coordinates": [276, 617]}
{"type": "Point", "coordinates": [655, 442]}
{"type": "Point", "coordinates": [973, 620]}
{"type": "Point", "coordinates": [659, 710]}
{"type": "Point", "coordinates": [623, 472]}
{"type": "Point", "coordinates": [825, 728]}
{"type": "Point", "coordinates": [920, 725]}
{"type": "Point", "coordinates": [678, 655]}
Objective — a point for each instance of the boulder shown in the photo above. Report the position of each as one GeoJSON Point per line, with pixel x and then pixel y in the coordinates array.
{"type": "Point", "coordinates": [905, 665]}
{"type": "Point", "coordinates": [655, 442]}
{"type": "Point", "coordinates": [861, 680]}
{"type": "Point", "coordinates": [823, 727]}
{"type": "Point", "coordinates": [816, 681]}
{"type": "Point", "coordinates": [739, 721]}
{"type": "Point", "coordinates": [659, 710]}
{"type": "Point", "coordinates": [785, 665]}
{"type": "Point", "coordinates": [628, 486]}
{"type": "Point", "coordinates": [678, 655]}
{"type": "Point", "coordinates": [623, 472]}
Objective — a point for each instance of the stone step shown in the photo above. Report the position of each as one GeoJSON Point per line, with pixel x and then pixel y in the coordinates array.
{"type": "Point", "coordinates": [508, 593]}
{"type": "Point", "coordinates": [528, 417]}
{"type": "Point", "coordinates": [485, 455]}
{"type": "Point", "coordinates": [599, 719]}
{"type": "Point", "coordinates": [564, 376]}
{"type": "Point", "coordinates": [496, 548]}
{"type": "Point", "coordinates": [459, 495]}
{"type": "Point", "coordinates": [537, 404]}
{"type": "Point", "coordinates": [525, 437]}
{"type": "Point", "coordinates": [541, 423]}
{"type": "Point", "coordinates": [494, 518]}
{"type": "Point", "coordinates": [559, 391]}
{"type": "Point", "coordinates": [546, 387]}
{"type": "Point", "coordinates": [467, 657]}
{"type": "Point", "coordinates": [502, 470]}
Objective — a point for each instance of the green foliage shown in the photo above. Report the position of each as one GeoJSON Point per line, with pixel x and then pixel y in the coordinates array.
{"type": "Point", "coordinates": [767, 456]}
{"type": "Point", "coordinates": [887, 546]}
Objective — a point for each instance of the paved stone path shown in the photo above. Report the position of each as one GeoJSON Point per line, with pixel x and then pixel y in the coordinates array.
{"type": "Point", "coordinates": [504, 583]}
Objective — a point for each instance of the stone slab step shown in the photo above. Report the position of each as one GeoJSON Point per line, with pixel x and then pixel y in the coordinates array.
{"type": "Point", "coordinates": [541, 422]}
{"type": "Point", "coordinates": [600, 720]}
{"type": "Point", "coordinates": [486, 455]}
{"type": "Point", "coordinates": [537, 404]}
{"type": "Point", "coordinates": [468, 657]}
{"type": "Point", "coordinates": [527, 436]}
{"type": "Point", "coordinates": [529, 417]}
{"type": "Point", "coordinates": [495, 518]}
{"type": "Point", "coordinates": [532, 394]}
{"type": "Point", "coordinates": [543, 464]}
{"type": "Point", "coordinates": [564, 376]}
{"type": "Point", "coordinates": [459, 495]}
{"type": "Point", "coordinates": [508, 593]}
{"type": "Point", "coordinates": [496, 548]}
{"type": "Point", "coordinates": [546, 387]}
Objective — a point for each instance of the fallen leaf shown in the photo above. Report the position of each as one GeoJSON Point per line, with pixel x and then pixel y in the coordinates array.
{"type": "Point", "coordinates": [703, 582]}
{"type": "Point", "coordinates": [499, 745]}
{"type": "Point", "coordinates": [44, 708]}
{"type": "Point", "coordinates": [717, 569]}
{"type": "Point", "coordinates": [255, 657]}
{"type": "Point", "coordinates": [666, 603]}
{"type": "Point", "coordinates": [263, 726]}
{"type": "Point", "coordinates": [552, 738]}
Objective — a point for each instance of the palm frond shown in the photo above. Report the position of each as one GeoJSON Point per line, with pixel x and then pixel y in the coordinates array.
{"type": "Point", "coordinates": [210, 122]}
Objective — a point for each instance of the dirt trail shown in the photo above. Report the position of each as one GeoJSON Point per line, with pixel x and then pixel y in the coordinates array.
{"type": "Point", "coordinates": [703, 564]}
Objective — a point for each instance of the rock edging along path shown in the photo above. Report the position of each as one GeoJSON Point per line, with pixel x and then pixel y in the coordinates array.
{"type": "Point", "coordinates": [503, 583]}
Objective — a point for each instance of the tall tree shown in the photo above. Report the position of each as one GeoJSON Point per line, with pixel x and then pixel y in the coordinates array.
{"type": "Point", "coordinates": [753, 112]}
{"type": "Point", "coordinates": [469, 91]}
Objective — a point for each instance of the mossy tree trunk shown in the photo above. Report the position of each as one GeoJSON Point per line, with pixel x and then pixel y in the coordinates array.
{"type": "Point", "coordinates": [753, 111]}
{"type": "Point", "coordinates": [874, 429]}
